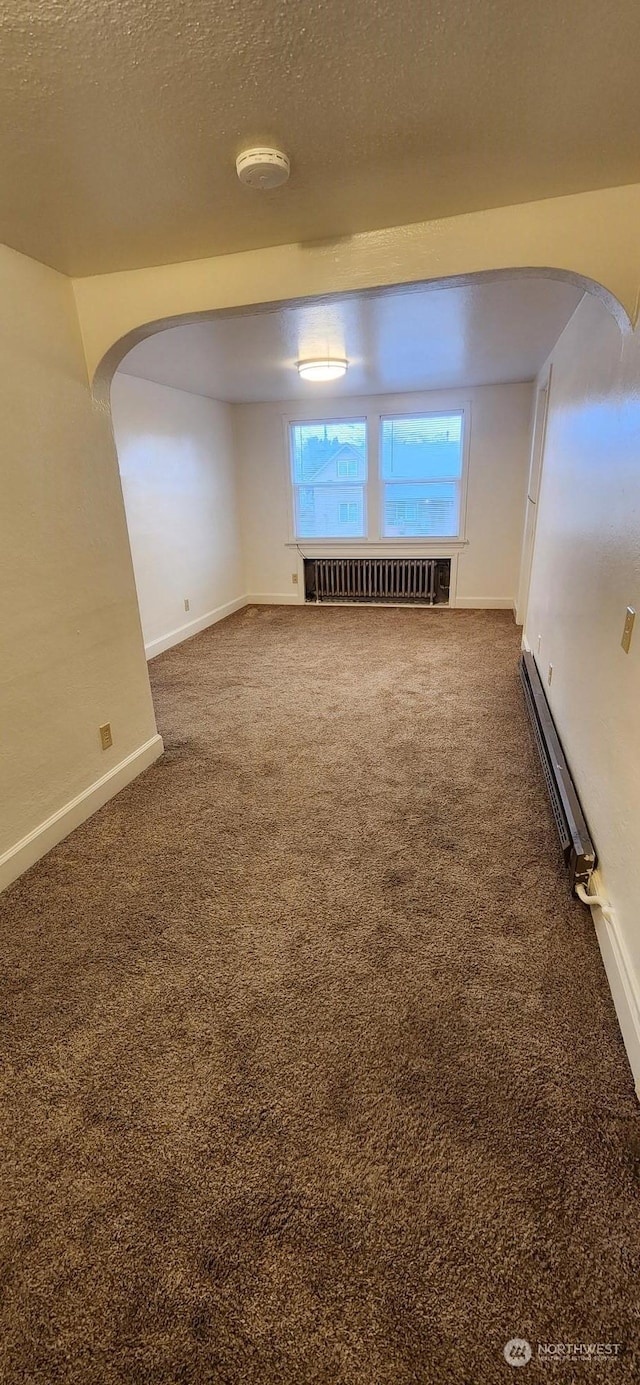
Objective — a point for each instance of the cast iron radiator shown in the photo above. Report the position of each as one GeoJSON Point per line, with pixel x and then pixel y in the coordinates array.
{"type": "Point", "coordinates": [418, 581]}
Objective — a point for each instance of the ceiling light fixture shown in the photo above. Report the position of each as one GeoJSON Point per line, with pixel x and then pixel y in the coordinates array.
{"type": "Point", "coordinates": [322, 368]}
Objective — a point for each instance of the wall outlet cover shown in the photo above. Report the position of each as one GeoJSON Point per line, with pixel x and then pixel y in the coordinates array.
{"type": "Point", "coordinates": [106, 739]}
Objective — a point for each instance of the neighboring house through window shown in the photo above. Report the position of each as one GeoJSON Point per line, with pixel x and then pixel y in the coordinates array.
{"type": "Point", "coordinates": [325, 456]}
{"type": "Point", "coordinates": [347, 466]}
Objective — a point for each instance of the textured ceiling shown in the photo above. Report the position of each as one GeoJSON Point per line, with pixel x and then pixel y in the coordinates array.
{"type": "Point", "coordinates": [120, 122]}
{"type": "Point", "coordinates": [422, 339]}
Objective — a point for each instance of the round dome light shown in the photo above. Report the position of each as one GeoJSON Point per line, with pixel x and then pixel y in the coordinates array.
{"type": "Point", "coordinates": [323, 368]}
{"type": "Point", "coordinates": [262, 168]}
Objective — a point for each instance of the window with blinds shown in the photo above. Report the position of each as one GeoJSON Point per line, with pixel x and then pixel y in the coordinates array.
{"type": "Point", "coordinates": [421, 463]}
{"type": "Point", "coordinates": [329, 479]}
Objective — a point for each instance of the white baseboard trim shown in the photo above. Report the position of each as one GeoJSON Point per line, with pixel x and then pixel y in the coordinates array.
{"type": "Point", "coordinates": [272, 599]}
{"type": "Point", "coordinates": [483, 603]}
{"type": "Point", "coordinates": [193, 627]}
{"type": "Point", "coordinates": [25, 853]}
{"type": "Point", "coordinates": [622, 981]}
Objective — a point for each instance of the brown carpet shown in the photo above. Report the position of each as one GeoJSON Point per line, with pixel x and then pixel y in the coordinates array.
{"type": "Point", "coordinates": [311, 1069]}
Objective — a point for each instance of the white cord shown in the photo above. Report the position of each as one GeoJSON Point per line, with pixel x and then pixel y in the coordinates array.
{"type": "Point", "coordinates": [597, 899]}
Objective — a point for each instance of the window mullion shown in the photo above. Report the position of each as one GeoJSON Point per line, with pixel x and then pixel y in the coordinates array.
{"type": "Point", "coordinates": [374, 490]}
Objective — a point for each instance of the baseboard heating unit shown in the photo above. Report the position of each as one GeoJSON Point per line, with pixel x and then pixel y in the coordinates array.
{"type": "Point", "coordinates": [392, 581]}
{"type": "Point", "coordinates": [577, 846]}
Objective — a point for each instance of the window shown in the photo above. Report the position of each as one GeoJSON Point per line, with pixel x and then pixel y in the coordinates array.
{"type": "Point", "coordinates": [325, 456]}
{"type": "Point", "coordinates": [414, 494]}
{"type": "Point", "coordinates": [421, 461]}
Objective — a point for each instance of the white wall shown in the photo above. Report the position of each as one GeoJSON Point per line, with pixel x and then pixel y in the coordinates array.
{"type": "Point", "coordinates": [586, 571]}
{"type": "Point", "coordinates": [499, 458]}
{"type": "Point", "coordinates": [178, 477]}
{"type": "Point", "coordinates": [71, 652]}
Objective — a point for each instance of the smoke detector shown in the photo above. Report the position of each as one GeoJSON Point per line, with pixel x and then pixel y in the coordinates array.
{"type": "Point", "coordinates": [262, 167]}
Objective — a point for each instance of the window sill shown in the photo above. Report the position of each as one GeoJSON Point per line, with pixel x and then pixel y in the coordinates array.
{"type": "Point", "coordinates": [379, 548]}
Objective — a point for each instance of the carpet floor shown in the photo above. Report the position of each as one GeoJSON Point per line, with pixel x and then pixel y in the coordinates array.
{"type": "Point", "coordinates": [311, 1071]}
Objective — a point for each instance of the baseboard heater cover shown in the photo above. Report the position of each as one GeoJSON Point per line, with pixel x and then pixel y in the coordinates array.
{"type": "Point", "coordinates": [577, 846]}
{"type": "Point", "coordinates": [391, 581]}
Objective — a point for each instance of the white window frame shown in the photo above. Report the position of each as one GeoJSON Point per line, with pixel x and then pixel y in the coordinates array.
{"type": "Point", "coordinates": [290, 424]}
{"type": "Point", "coordinates": [458, 410]}
{"type": "Point", "coordinates": [387, 406]}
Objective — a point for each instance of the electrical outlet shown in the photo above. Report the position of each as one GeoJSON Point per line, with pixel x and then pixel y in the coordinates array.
{"type": "Point", "coordinates": [186, 603]}
{"type": "Point", "coordinates": [294, 578]}
{"type": "Point", "coordinates": [628, 629]}
{"type": "Point", "coordinates": [106, 739]}
{"type": "Point", "coordinates": [550, 674]}
{"type": "Point", "coordinates": [539, 642]}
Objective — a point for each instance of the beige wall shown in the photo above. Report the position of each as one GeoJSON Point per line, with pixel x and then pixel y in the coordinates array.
{"type": "Point", "coordinates": [499, 453]}
{"type": "Point", "coordinates": [178, 477]}
{"type": "Point", "coordinates": [586, 571]}
{"type": "Point", "coordinates": [591, 235]}
{"type": "Point", "coordinates": [72, 654]}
